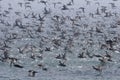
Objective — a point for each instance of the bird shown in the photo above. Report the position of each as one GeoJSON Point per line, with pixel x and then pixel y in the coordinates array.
{"type": "Point", "coordinates": [69, 4]}
{"type": "Point", "coordinates": [47, 11]}
{"type": "Point", "coordinates": [33, 15]}
{"type": "Point", "coordinates": [26, 16]}
{"type": "Point", "coordinates": [64, 7]}
{"type": "Point", "coordinates": [58, 56]}
{"type": "Point", "coordinates": [20, 4]}
{"type": "Point", "coordinates": [31, 73]}
{"type": "Point", "coordinates": [31, 0]}
{"type": "Point", "coordinates": [47, 49]}
{"type": "Point", "coordinates": [110, 43]}
{"type": "Point", "coordinates": [21, 50]}
{"type": "Point", "coordinates": [108, 55]}
{"type": "Point", "coordinates": [97, 68]}
{"type": "Point", "coordinates": [44, 68]}
{"type": "Point", "coordinates": [41, 18]}
{"type": "Point", "coordinates": [98, 30]}
{"type": "Point", "coordinates": [62, 64]}
{"type": "Point", "coordinates": [97, 55]}
{"type": "Point", "coordinates": [83, 9]}
{"type": "Point", "coordinates": [81, 55]}
{"type": "Point", "coordinates": [44, 2]}
{"type": "Point", "coordinates": [18, 66]}
{"type": "Point", "coordinates": [12, 61]}
{"type": "Point", "coordinates": [112, 5]}
{"type": "Point", "coordinates": [98, 12]}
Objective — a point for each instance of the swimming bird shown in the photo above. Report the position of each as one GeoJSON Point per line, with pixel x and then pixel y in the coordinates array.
{"type": "Point", "coordinates": [18, 65]}
{"type": "Point", "coordinates": [97, 68]}
{"type": "Point", "coordinates": [31, 0]}
{"type": "Point", "coordinates": [61, 56]}
{"type": "Point", "coordinates": [58, 56]}
{"type": "Point", "coordinates": [62, 64]}
{"type": "Point", "coordinates": [21, 50]}
{"type": "Point", "coordinates": [13, 62]}
{"type": "Point", "coordinates": [33, 15]}
{"type": "Point", "coordinates": [81, 55]}
{"type": "Point", "coordinates": [26, 15]}
{"type": "Point", "coordinates": [20, 3]}
{"type": "Point", "coordinates": [103, 9]}
{"type": "Point", "coordinates": [110, 43]}
{"type": "Point", "coordinates": [69, 4]}
{"type": "Point", "coordinates": [44, 2]}
{"type": "Point", "coordinates": [47, 11]}
{"type": "Point", "coordinates": [41, 18]}
{"type": "Point", "coordinates": [31, 73]}
{"type": "Point", "coordinates": [98, 30]}
{"type": "Point", "coordinates": [44, 68]}
{"type": "Point", "coordinates": [97, 55]}
{"type": "Point", "coordinates": [83, 9]}
{"type": "Point", "coordinates": [47, 49]}
{"type": "Point", "coordinates": [108, 56]}
{"type": "Point", "coordinates": [97, 11]}
{"type": "Point", "coordinates": [64, 7]}
{"type": "Point", "coordinates": [112, 5]}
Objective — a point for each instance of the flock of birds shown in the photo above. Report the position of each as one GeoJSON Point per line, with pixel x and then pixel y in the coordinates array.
{"type": "Point", "coordinates": [34, 35]}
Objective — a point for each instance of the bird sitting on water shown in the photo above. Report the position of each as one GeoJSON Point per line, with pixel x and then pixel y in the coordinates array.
{"type": "Point", "coordinates": [32, 73]}
{"type": "Point", "coordinates": [41, 66]}
{"type": "Point", "coordinates": [97, 55]}
{"type": "Point", "coordinates": [98, 68]}
{"type": "Point", "coordinates": [64, 7]}
{"type": "Point", "coordinates": [18, 66]}
{"type": "Point", "coordinates": [81, 55]}
{"type": "Point", "coordinates": [109, 57]}
{"type": "Point", "coordinates": [62, 64]}
{"type": "Point", "coordinates": [61, 56]}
